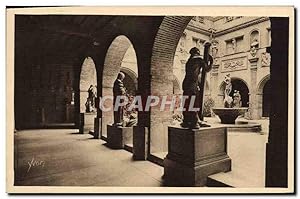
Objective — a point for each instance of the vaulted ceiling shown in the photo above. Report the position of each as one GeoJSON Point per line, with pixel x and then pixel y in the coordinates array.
{"type": "Point", "coordinates": [75, 33]}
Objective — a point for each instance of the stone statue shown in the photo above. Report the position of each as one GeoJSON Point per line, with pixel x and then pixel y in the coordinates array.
{"type": "Point", "coordinates": [214, 49]}
{"type": "Point", "coordinates": [233, 41]}
{"type": "Point", "coordinates": [90, 102]}
{"type": "Point", "coordinates": [191, 86]}
{"type": "Point", "coordinates": [228, 88]}
{"type": "Point", "coordinates": [236, 103]}
{"type": "Point", "coordinates": [131, 120]}
{"type": "Point", "coordinates": [119, 90]}
{"type": "Point", "coordinates": [254, 47]}
{"type": "Point", "coordinates": [130, 115]}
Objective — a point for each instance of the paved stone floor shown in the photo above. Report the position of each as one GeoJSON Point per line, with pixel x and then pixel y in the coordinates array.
{"type": "Point", "coordinates": [64, 157]}
{"type": "Point", "coordinates": [248, 152]}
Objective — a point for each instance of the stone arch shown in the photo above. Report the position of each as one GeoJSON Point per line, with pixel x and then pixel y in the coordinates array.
{"type": "Point", "coordinates": [237, 84]}
{"type": "Point", "coordinates": [262, 83]}
{"type": "Point", "coordinates": [88, 76]}
{"type": "Point", "coordinates": [163, 52]}
{"type": "Point", "coordinates": [111, 68]}
{"type": "Point", "coordinates": [263, 96]}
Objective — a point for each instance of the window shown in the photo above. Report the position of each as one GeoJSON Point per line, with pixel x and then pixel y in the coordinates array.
{"type": "Point", "coordinates": [234, 45]}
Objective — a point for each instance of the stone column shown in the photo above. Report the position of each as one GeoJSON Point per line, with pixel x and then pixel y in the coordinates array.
{"type": "Point", "coordinates": [252, 98]}
{"type": "Point", "coordinates": [214, 84]}
{"type": "Point", "coordinates": [277, 146]}
{"type": "Point", "coordinates": [259, 99]}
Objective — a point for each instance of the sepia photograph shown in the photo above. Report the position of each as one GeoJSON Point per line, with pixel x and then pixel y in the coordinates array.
{"type": "Point", "coordinates": [150, 100]}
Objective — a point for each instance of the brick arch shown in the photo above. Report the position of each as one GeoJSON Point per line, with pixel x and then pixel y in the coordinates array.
{"type": "Point", "coordinates": [163, 52]}
{"type": "Point", "coordinates": [112, 65]}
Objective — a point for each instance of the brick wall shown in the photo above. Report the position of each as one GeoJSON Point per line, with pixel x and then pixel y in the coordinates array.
{"type": "Point", "coordinates": [163, 53]}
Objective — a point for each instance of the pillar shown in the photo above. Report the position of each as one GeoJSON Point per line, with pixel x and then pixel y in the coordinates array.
{"type": "Point", "coordinates": [277, 146]}
{"type": "Point", "coordinates": [252, 98]}
{"type": "Point", "coordinates": [214, 84]}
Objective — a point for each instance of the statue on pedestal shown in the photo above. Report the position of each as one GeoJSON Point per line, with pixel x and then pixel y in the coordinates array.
{"type": "Point", "coordinates": [119, 90]}
{"type": "Point", "coordinates": [196, 66]}
{"type": "Point", "coordinates": [90, 102]}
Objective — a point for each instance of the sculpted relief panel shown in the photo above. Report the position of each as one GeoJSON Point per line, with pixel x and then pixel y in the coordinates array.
{"type": "Point", "coordinates": [234, 64]}
{"type": "Point", "coordinates": [265, 59]}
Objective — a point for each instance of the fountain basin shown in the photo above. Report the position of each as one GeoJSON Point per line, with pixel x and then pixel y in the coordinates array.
{"type": "Point", "coordinates": [229, 115]}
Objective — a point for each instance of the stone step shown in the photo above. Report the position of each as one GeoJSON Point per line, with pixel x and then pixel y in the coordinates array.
{"type": "Point", "coordinates": [129, 147]}
{"type": "Point", "coordinates": [233, 179]}
{"type": "Point", "coordinates": [158, 158]}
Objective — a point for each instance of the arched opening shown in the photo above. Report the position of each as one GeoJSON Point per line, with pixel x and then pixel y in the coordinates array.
{"type": "Point", "coordinates": [266, 105]}
{"type": "Point", "coordinates": [239, 85]}
{"type": "Point", "coordinates": [263, 97]}
{"type": "Point", "coordinates": [254, 39]}
{"type": "Point", "coordinates": [88, 77]}
{"type": "Point", "coordinates": [120, 56]}
{"type": "Point", "coordinates": [87, 95]}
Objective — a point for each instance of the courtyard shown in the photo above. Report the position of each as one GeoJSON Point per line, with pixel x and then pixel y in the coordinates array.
{"type": "Point", "coordinates": [73, 159]}
{"type": "Point", "coordinates": [65, 65]}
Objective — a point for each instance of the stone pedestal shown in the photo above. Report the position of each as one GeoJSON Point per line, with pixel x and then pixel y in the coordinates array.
{"type": "Point", "coordinates": [70, 112]}
{"type": "Point", "coordinates": [87, 122]}
{"type": "Point", "coordinates": [194, 154]}
{"type": "Point", "coordinates": [140, 143]}
{"type": "Point", "coordinates": [117, 137]}
{"type": "Point", "coordinates": [97, 128]}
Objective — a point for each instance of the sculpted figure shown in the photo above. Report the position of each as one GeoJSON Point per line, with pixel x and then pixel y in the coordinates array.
{"type": "Point", "coordinates": [237, 103]}
{"type": "Point", "coordinates": [90, 102]}
{"type": "Point", "coordinates": [192, 87]}
{"type": "Point", "coordinates": [233, 41]}
{"type": "Point", "coordinates": [254, 47]}
{"type": "Point", "coordinates": [265, 59]}
{"type": "Point", "coordinates": [119, 90]}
